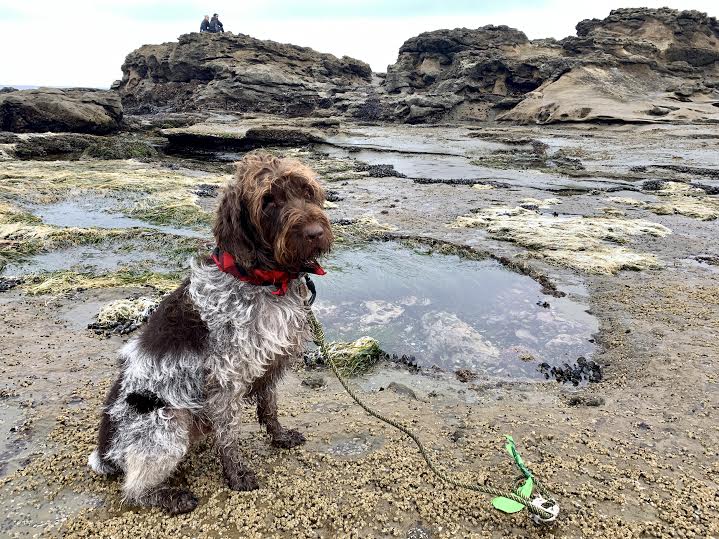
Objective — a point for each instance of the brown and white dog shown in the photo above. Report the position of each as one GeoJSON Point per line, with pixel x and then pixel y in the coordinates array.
{"type": "Point", "coordinates": [222, 339]}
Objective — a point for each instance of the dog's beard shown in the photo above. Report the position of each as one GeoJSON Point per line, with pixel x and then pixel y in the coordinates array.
{"type": "Point", "coordinates": [293, 251]}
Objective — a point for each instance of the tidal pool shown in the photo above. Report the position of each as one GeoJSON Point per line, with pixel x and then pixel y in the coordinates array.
{"type": "Point", "coordinates": [450, 312]}
{"type": "Point", "coordinates": [85, 258]}
{"type": "Point", "coordinates": [97, 212]}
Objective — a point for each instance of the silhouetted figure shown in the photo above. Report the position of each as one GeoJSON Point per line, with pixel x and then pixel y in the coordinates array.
{"type": "Point", "coordinates": [215, 24]}
{"type": "Point", "coordinates": [205, 24]}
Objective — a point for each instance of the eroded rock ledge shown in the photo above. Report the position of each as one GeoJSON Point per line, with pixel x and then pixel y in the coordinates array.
{"type": "Point", "coordinates": [78, 110]}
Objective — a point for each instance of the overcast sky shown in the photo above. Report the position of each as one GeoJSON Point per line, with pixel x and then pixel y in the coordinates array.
{"type": "Point", "coordinates": [84, 42]}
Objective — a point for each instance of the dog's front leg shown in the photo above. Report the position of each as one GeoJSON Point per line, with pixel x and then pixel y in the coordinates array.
{"type": "Point", "coordinates": [267, 416]}
{"type": "Point", "coordinates": [237, 474]}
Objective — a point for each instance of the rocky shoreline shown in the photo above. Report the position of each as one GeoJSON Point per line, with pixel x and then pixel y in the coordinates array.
{"type": "Point", "coordinates": [581, 248]}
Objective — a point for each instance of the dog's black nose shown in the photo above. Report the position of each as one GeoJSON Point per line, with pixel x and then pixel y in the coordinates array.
{"type": "Point", "coordinates": [314, 231]}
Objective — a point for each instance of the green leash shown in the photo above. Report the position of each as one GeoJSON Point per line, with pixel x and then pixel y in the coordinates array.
{"type": "Point", "coordinates": [543, 508]}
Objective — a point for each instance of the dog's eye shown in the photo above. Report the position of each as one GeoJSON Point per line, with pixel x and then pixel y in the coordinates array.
{"type": "Point", "coordinates": [267, 201]}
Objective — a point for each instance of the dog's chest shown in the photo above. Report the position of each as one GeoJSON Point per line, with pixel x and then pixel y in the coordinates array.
{"type": "Point", "coordinates": [262, 329]}
{"type": "Point", "coordinates": [250, 330]}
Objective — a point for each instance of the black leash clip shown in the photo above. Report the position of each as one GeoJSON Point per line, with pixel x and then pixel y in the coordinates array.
{"type": "Point", "coordinates": [311, 287]}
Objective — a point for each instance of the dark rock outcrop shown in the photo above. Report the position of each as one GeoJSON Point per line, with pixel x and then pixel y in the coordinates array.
{"type": "Point", "coordinates": [644, 65]}
{"type": "Point", "coordinates": [636, 65]}
{"type": "Point", "coordinates": [76, 110]}
{"type": "Point", "coordinates": [238, 73]}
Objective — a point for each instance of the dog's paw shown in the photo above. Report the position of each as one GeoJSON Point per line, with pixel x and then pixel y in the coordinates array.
{"type": "Point", "coordinates": [177, 502]}
{"type": "Point", "coordinates": [288, 438]}
{"type": "Point", "coordinates": [243, 481]}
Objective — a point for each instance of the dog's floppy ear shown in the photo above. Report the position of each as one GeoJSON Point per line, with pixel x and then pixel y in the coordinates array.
{"type": "Point", "coordinates": [232, 229]}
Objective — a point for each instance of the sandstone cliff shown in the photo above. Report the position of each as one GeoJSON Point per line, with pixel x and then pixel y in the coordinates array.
{"type": "Point", "coordinates": [635, 65]}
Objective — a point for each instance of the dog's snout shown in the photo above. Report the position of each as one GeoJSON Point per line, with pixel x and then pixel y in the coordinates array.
{"type": "Point", "coordinates": [314, 231]}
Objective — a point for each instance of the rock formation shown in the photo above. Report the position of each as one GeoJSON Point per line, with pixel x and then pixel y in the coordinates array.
{"type": "Point", "coordinates": [636, 65]}
{"type": "Point", "coordinates": [236, 72]}
{"type": "Point", "coordinates": [49, 109]}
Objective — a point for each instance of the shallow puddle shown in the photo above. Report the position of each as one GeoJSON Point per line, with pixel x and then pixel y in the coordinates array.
{"type": "Point", "coordinates": [98, 213]}
{"type": "Point", "coordinates": [86, 258]}
{"type": "Point", "coordinates": [450, 312]}
{"type": "Point", "coordinates": [453, 167]}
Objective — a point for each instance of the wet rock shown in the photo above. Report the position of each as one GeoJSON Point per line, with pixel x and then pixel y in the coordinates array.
{"type": "Point", "coordinates": [350, 358]}
{"type": "Point", "coordinates": [708, 259]}
{"type": "Point", "coordinates": [314, 382]}
{"type": "Point", "coordinates": [119, 148]}
{"type": "Point", "coordinates": [584, 243]}
{"type": "Point", "coordinates": [563, 162]}
{"type": "Point", "coordinates": [402, 389]}
{"type": "Point", "coordinates": [408, 361]}
{"type": "Point", "coordinates": [6, 393]}
{"type": "Point", "coordinates": [460, 181]}
{"type": "Point", "coordinates": [8, 283]}
{"type": "Point", "coordinates": [584, 400]}
{"type": "Point", "coordinates": [123, 316]}
{"type": "Point", "coordinates": [369, 109]}
{"type": "Point", "coordinates": [512, 159]}
{"type": "Point", "coordinates": [37, 147]}
{"type": "Point", "coordinates": [332, 196]}
{"type": "Point", "coordinates": [168, 120]}
{"type": "Point", "coordinates": [451, 337]}
{"type": "Point", "coordinates": [8, 138]}
{"type": "Point", "coordinates": [465, 375]}
{"type": "Point", "coordinates": [708, 189]}
{"type": "Point", "coordinates": [677, 198]}
{"type": "Point", "coordinates": [653, 185]}
{"type": "Point", "coordinates": [582, 370]}
{"type": "Point", "coordinates": [50, 109]}
{"type": "Point", "coordinates": [206, 190]}
{"type": "Point", "coordinates": [325, 123]}
{"type": "Point", "coordinates": [75, 146]}
{"type": "Point", "coordinates": [246, 135]}
{"type": "Point", "coordinates": [696, 171]}
{"type": "Point", "coordinates": [418, 532]}
{"type": "Point", "coordinates": [343, 222]}
{"type": "Point", "coordinates": [379, 171]}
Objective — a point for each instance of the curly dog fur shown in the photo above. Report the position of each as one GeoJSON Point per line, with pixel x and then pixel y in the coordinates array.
{"type": "Point", "coordinates": [217, 342]}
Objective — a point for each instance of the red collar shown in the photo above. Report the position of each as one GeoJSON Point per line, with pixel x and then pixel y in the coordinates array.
{"type": "Point", "coordinates": [281, 279]}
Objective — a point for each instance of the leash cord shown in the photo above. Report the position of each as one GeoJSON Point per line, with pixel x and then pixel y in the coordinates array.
{"type": "Point", "coordinates": [319, 340]}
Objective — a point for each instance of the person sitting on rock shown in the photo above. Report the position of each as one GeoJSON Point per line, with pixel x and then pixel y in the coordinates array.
{"type": "Point", "coordinates": [215, 24]}
{"type": "Point", "coordinates": [205, 24]}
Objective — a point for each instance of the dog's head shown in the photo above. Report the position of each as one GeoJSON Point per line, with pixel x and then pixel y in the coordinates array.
{"type": "Point", "coordinates": [271, 216]}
